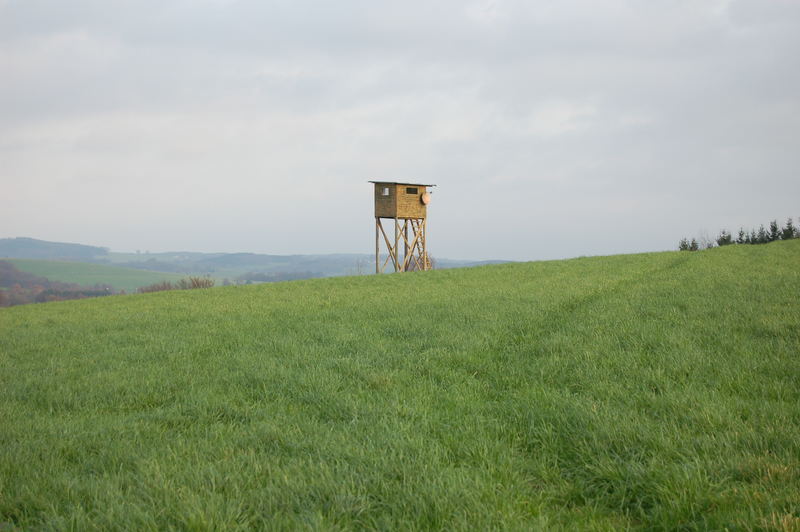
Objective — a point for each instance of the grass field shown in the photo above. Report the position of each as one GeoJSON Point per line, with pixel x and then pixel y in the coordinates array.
{"type": "Point", "coordinates": [656, 391]}
{"type": "Point", "coordinates": [88, 274]}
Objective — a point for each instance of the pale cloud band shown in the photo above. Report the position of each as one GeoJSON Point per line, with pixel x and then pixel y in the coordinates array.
{"type": "Point", "coordinates": [569, 127]}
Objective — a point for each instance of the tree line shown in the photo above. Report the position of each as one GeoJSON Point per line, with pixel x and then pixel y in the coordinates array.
{"type": "Point", "coordinates": [764, 235]}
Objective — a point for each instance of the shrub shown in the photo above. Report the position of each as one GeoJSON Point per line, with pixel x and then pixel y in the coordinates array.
{"type": "Point", "coordinates": [417, 264]}
{"type": "Point", "coordinates": [156, 287]}
{"type": "Point", "coordinates": [200, 282]}
{"type": "Point", "coordinates": [724, 238]}
{"type": "Point", "coordinates": [789, 231]}
{"type": "Point", "coordinates": [763, 236]}
{"type": "Point", "coordinates": [742, 237]}
{"type": "Point", "coordinates": [774, 231]}
{"type": "Point", "coordinates": [182, 284]}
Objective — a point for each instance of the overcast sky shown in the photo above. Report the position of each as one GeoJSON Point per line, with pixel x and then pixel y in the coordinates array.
{"type": "Point", "coordinates": [552, 128]}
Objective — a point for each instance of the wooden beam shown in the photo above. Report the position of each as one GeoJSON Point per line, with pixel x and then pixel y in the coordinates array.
{"type": "Point", "coordinates": [377, 246]}
{"type": "Point", "coordinates": [405, 239]}
{"type": "Point", "coordinates": [391, 249]}
{"type": "Point", "coordinates": [396, 241]}
{"type": "Point", "coordinates": [413, 247]}
{"type": "Point", "coordinates": [425, 261]}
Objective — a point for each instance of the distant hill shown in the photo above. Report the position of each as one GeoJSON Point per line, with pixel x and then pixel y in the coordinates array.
{"type": "Point", "coordinates": [30, 248]}
{"type": "Point", "coordinates": [235, 264]}
{"type": "Point", "coordinates": [89, 274]}
{"type": "Point", "coordinates": [219, 265]}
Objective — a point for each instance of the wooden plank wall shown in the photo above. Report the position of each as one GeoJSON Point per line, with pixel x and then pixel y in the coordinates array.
{"type": "Point", "coordinates": [410, 205]}
{"type": "Point", "coordinates": [385, 206]}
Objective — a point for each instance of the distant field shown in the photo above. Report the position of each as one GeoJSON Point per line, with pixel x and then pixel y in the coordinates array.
{"type": "Point", "coordinates": [656, 391]}
{"type": "Point", "coordinates": [90, 274]}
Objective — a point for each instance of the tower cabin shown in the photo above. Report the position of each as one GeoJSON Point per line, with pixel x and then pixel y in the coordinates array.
{"type": "Point", "coordinates": [406, 245]}
{"type": "Point", "coordinates": [401, 200]}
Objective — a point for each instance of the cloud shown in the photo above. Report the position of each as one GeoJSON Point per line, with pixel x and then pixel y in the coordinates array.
{"type": "Point", "coordinates": [586, 127]}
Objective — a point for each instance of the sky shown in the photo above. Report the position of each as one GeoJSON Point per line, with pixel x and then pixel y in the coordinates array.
{"type": "Point", "coordinates": [552, 129]}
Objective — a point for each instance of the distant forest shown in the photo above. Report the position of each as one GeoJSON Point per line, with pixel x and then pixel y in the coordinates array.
{"type": "Point", "coordinates": [763, 235]}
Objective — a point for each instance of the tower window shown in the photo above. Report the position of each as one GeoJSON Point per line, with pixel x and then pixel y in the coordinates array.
{"type": "Point", "coordinates": [411, 190]}
{"type": "Point", "coordinates": [385, 191]}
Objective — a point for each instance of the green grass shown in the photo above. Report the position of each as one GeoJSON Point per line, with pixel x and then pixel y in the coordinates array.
{"type": "Point", "coordinates": [656, 391]}
{"type": "Point", "coordinates": [88, 274]}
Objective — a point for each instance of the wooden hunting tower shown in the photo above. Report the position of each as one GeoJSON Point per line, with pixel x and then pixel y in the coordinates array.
{"type": "Point", "coordinates": [407, 205]}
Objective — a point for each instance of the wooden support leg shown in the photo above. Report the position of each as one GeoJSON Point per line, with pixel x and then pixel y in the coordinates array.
{"type": "Point", "coordinates": [405, 244]}
{"type": "Point", "coordinates": [415, 247]}
{"type": "Point", "coordinates": [392, 250]}
{"type": "Point", "coordinates": [397, 266]}
{"type": "Point", "coordinates": [425, 263]}
{"type": "Point", "coordinates": [377, 245]}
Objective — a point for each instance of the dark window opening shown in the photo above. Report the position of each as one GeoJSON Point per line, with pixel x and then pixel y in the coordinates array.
{"type": "Point", "coordinates": [411, 190]}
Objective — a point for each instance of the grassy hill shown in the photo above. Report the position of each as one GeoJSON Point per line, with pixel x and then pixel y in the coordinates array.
{"type": "Point", "coordinates": [89, 274]}
{"type": "Point", "coordinates": [654, 391]}
{"type": "Point", "coordinates": [218, 265]}
{"type": "Point", "coordinates": [31, 248]}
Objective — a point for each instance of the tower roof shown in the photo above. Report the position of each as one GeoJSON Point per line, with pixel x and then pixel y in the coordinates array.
{"type": "Point", "coordinates": [401, 183]}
